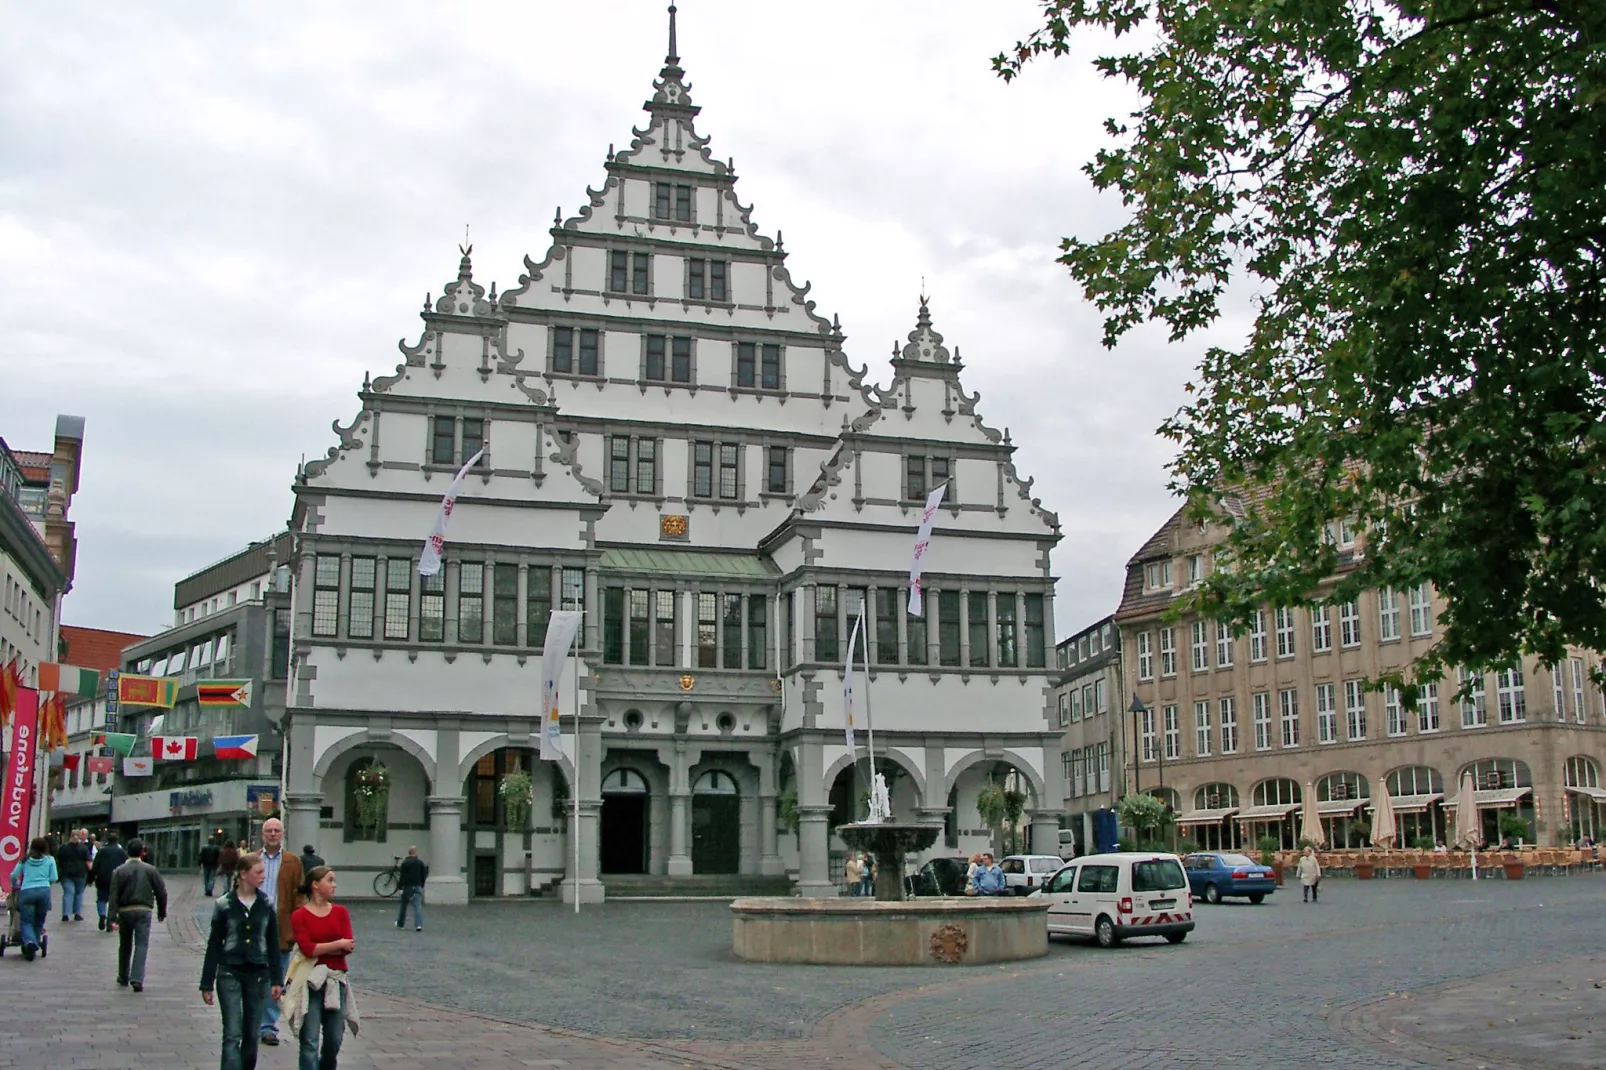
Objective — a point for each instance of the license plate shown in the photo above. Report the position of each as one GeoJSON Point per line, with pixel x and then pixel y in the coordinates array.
{"type": "Point", "coordinates": [1161, 904]}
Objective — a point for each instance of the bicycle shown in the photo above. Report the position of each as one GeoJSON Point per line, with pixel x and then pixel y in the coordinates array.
{"type": "Point", "coordinates": [388, 882]}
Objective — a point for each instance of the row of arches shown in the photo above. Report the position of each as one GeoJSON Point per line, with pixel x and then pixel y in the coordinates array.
{"type": "Point", "coordinates": [1219, 818]}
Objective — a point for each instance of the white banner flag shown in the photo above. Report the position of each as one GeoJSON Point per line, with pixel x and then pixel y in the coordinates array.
{"type": "Point", "coordinates": [923, 543]}
{"type": "Point", "coordinates": [429, 562]}
{"type": "Point", "coordinates": [847, 681]}
{"type": "Point", "coordinates": [561, 629]}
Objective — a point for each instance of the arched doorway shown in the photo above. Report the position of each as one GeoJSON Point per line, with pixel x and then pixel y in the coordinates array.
{"type": "Point", "coordinates": [1500, 784]}
{"type": "Point", "coordinates": [1416, 792]}
{"type": "Point", "coordinates": [716, 824]}
{"type": "Point", "coordinates": [624, 822]}
{"type": "Point", "coordinates": [1339, 797]}
{"type": "Point", "coordinates": [1271, 811]}
{"type": "Point", "coordinates": [1209, 823]}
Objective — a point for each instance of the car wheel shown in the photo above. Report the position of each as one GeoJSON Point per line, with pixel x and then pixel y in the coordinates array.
{"type": "Point", "coordinates": [1176, 938]}
{"type": "Point", "coordinates": [1212, 894]}
{"type": "Point", "coordinates": [1105, 932]}
{"type": "Point", "coordinates": [1258, 898]}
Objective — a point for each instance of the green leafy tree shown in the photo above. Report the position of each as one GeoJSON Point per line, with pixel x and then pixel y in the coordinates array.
{"type": "Point", "coordinates": [1414, 192]}
{"type": "Point", "coordinates": [1143, 814]}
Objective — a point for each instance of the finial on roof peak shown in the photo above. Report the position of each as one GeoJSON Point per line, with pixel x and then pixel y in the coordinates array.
{"type": "Point", "coordinates": [925, 344]}
{"type": "Point", "coordinates": [673, 55]}
{"type": "Point", "coordinates": [671, 90]}
{"type": "Point", "coordinates": [465, 266]}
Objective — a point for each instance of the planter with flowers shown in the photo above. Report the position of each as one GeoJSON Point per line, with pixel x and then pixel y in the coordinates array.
{"type": "Point", "coordinates": [371, 795]}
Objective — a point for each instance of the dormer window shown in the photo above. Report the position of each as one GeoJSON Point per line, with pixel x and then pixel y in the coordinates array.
{"type": "Point", "coordinates": [1157, 576]}
{"type": "Point", "coordinates": [671, 201]}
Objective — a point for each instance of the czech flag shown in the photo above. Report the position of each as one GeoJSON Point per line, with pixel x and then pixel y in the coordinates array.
{"type": "Point", "coordinates": [235, 746]}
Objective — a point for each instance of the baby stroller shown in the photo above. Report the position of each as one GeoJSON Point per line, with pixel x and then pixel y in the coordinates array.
{"type": "Point", "coordinates": [12, 937]}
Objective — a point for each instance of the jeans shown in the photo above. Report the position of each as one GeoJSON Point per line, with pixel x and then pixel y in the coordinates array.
{"type": "Point", "coordinates": [413, 897]}
{"type": "Point", "coordinates": [101, 895]}
{"type": "Point", "coordinates": [270, 1008]}
{"type": "Point", "coordinates": [331, 1024]}
{"type": "Point", "coordinates": [33, 906]}
{"type": "Point", "coordinates": [72, 896]}
{"type": "Point", "coordinates": [208, 878]}
{"type": "Point", "coordinates": [133, 938]}
{"type": "Point", "coordinates": [241, 995]}
{"type": "Point", "coordinates": [867, 885]}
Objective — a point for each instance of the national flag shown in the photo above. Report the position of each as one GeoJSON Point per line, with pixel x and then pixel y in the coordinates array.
{"type": "Point", "coordinates": [429, 562]}
{"type": "Point", "coordinates": [121, 742]}
{"type": "Point", "coordinates": [68, 679]}
{"type": "Point", "coordinates": [223, 693]}
{"type": "Point", "coordinates": [234, 746]}
{"type": "Point", "coordinates": [147, 690]}
{"type": "Point", "coordinates": [561, 628]}
{"type": "Point", "coordinates": [9, 683]}
{"type": "Point", "coordinates": [98, 764]}
{"type": "Point", "coordinates": [174, 748]}
{"type": "Point", "coordinates": [847, 681]}
{"type": "Point", "coordinates": [71, 761]}
{"type": "Point", "coordinates": [53, 722]}
{"type": "Point", "coordinates": [922, 544]}
{"type": "Point", "coordinates": [141, 766]}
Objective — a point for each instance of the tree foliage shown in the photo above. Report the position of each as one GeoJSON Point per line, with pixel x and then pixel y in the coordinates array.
{"type": "Point", "coordinates": [1414, 192]}
{"type": "Point", "coordinates": [1143, 814]}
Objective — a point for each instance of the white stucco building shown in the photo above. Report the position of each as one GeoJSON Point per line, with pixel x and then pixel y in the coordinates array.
{"type": "Point", "coordinates": [680, 446]}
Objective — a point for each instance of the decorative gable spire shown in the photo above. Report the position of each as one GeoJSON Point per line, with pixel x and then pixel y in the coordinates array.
{"type": "Point", "coordinates": [925, 344]}
{"type": "Point", "coordinates": [465, 297]}
{"type": "Point", "coordinates": [671, 92]}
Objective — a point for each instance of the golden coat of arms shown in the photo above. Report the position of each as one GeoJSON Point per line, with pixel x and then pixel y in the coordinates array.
{"type": "Point", "coordinates": [949, 943]}
{"type": "Point", "coordinates": [688, 682]}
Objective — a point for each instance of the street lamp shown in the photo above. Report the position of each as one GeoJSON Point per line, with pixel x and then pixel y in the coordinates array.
{"type": "Point", "coordinates": [1137, 708]}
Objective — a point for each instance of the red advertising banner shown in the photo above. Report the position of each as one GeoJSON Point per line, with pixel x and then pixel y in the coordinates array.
{"type": "Point", "coordinates": [16, 797]}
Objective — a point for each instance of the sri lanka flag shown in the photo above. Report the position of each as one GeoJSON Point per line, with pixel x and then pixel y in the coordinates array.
{"type": "Point", "coordinates": [235, 746]}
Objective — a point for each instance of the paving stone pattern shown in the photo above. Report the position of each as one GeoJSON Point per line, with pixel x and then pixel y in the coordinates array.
{"type": "Point", "coordinates": [1379, 976]}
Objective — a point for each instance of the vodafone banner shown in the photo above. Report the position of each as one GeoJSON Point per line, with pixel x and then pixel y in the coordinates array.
{"type": "Point", "coordinates": [17, 796]}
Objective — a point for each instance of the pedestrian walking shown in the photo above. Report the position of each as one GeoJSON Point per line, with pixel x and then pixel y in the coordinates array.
{"type": "Point", "coordinates": [318, 1001]}
{"type": "Point", "coordinates": [309, 858]}
{"type": "Point", "coordinates": [414, 872]}
{"type": "Point", "coordinates": [137, 892]}
{"type": "Point", "coordinates": [209, 858]}
{"type": "Point", "coordinates": [851, 872]}
{"type": "Point", "coordinates": [282, 883]}
{"type": "Point", "coordinates": [72, 867]}
{"type": "Point", "coordinates": [866, 875]}
{"type": "Point", "coordinates": [1310, 876]}
{"type": "Point", "coordinates": [242, 953]}
{"type": "Point", "coordinates": [228, 860]}
{"type": "Point", "coordinates": [107, 859]}
{"type": "Point", "coordinates": [31, 880]}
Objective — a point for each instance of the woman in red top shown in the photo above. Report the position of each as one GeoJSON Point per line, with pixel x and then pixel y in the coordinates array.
{"type": "Point", "coordinates": [322, 931]}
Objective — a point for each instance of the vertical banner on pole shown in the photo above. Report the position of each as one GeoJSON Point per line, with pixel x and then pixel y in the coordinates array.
{"type": "Point", "coordinates": [560, 632]}
{"type": "Point", "coordinates": [922, 543]}
{"type": "Point", "coordinates": [847, 684]}
{"type": "Point", "coordinates": [16, 798]}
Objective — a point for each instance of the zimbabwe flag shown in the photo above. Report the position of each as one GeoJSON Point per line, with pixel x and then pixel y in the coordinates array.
{"type": "Point", "coordinates": [223, 692]}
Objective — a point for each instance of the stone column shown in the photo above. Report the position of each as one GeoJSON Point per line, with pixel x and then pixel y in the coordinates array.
{"type": "Point", "coordinates": [524, 604]}
{"type": "Point", "coordinates": [446, 883]}
{"type": "Point", "coordinates": [1045, 833]}
{"type": "Point", "coordinates": [769, 857]}
{"type": "Point", "coordinates": [814, 866]}
{"type": "Point", "coordinates": [679, 864]}
{"type": "Point", "coordinates": [964, 627]}
{"type": "Point", "coordinates": [301, 817]}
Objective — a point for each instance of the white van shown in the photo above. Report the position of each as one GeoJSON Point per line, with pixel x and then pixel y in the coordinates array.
{"type": "Point", "coordinates": [1067, 844]}
{"type": "Point", "coordinates": [1112, 897]}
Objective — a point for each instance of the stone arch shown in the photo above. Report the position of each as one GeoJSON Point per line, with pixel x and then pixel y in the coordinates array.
{"type": "Point", "coordinates": [914, 774]}
{"type": "Point", "coordinates": [368, 738]}
{"type": "Point", "coordinates": [465, 764]}
{"type": "Point", "coordinates": [1033, 778]}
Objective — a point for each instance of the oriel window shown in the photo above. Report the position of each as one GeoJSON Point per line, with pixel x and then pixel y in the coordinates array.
{"type": "Point", "coordinates": [731, 627]}
{"type": "Point", "coordinates": [826, 647]}
{"type": "Point", "coordinates": [326, 595]}
{"type": "Point", "coordinates": [707, 631]}
{"type": "Point", "coordinates": [757, 632]}
{"type": "Point", "coordinates": [639, 625]}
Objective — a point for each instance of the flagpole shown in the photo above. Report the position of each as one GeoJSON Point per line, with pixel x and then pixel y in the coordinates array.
{"type": "Point", "coordinates": [869, 720]}
{"type": "Point", "coordinates": [576, 880]}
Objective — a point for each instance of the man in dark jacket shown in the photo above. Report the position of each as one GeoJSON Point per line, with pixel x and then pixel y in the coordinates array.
{"type": "Point", "coordinates": [309, 858]}
{"type": "Point", "coordinates": [137, 891]}
{"type": "Point", "coordinates": [414, 872]}
{"type": "Point", "coordinates": [208, 858]}
{"type": "Point", "coordinates": [107, 859]}
{"type": "Point", "coordinates": [72, 869]}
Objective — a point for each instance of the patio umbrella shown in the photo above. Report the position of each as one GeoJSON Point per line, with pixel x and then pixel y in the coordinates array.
{"type": "Point", "coordinates": [1382, 816]}
{"type": "Point", "coordinates": [1311, 826]}
{"type": "Point", "coordinates": [1468, 832]}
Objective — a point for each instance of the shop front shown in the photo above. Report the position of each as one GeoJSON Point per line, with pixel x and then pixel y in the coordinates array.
{"type": "Point", "coordinates": [177, 823]}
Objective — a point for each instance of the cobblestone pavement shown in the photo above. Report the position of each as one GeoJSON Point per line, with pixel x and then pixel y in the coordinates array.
{"type": "Point", "coordinates": [1379, 976]}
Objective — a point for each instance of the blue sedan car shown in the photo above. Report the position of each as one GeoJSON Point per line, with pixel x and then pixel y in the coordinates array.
{"type": "Point", "coordinates": [1213, 875]}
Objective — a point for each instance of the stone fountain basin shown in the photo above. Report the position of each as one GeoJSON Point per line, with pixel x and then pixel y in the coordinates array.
{"type": "Point", "coordinates": [864, 932]}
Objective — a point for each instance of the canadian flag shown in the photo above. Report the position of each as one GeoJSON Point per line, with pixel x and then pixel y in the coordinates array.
{"type": "Point", "coordinates": [174, 748]}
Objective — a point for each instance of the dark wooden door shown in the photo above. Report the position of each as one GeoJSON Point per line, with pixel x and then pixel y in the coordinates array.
{"type": "Point", "coordinates": [716, 834]}
{"type": "Point", "coordinates": [624, 834]}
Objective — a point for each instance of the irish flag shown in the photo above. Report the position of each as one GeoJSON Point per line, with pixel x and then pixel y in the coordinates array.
{"type": "Point", "coordinates": [68, 680]}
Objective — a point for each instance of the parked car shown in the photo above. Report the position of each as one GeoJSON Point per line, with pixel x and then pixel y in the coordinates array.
{"type": "Point", "coordinates": [1114, 897]}
{"type": "Point", "coordinates": [1067, 844]}
{"type": "Point", "coordinates": [1215, 875]}
{"type": "Point", "coordinates": [940, 876]}
{"type": "Point", "coordinates": [1024, 873]}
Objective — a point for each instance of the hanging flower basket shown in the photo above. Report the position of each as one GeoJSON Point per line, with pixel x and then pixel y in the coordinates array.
{"type": "Point", "coordinates": [516, 791]}
{"type": "Point", "coordinates": [371, 793]}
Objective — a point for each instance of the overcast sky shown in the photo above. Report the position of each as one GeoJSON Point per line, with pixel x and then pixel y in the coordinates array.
{"type": "Point", "coordinates": [214, 218]}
